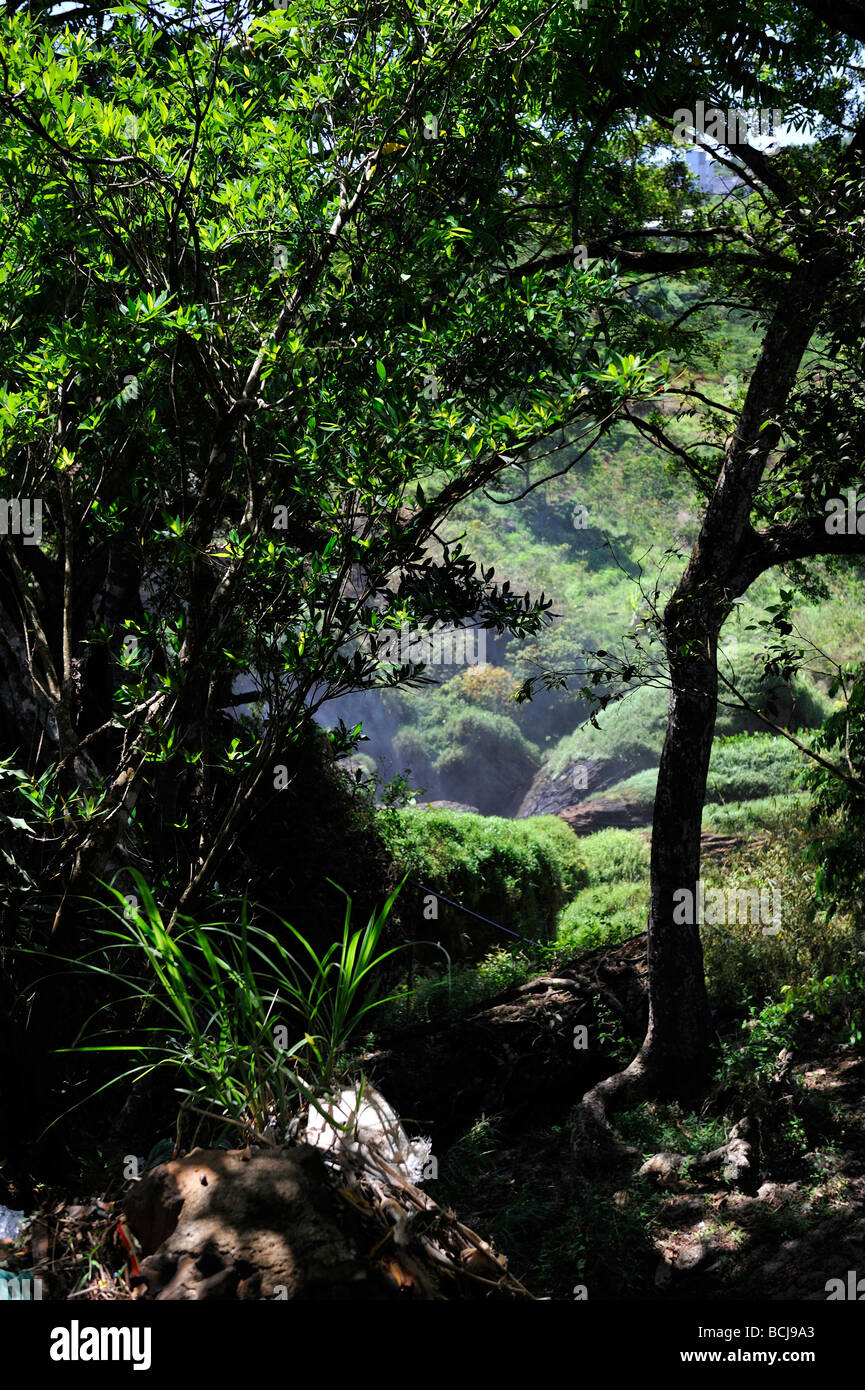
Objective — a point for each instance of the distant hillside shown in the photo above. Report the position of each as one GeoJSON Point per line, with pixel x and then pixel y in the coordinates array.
{"type": "Point", "coordinates": [593, 540]}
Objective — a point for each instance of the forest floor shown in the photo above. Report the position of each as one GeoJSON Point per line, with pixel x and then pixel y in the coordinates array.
{"type": "Point", "coordinates": [500, 1122]}
{"type": "Point", "coordinates": [616, 1236]}
{"type": "Point", "coordinates": [800, 1224]}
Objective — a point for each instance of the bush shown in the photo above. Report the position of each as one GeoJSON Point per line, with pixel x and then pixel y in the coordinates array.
{"type": "Point", "coordinates": [473, 756]}
{"type": "Point", "coordinates": [211, 998]}
{"type": "Point", "coordinates": [820, 1012]}
{"type": "Point", "coordinates": [744, 817]}
{"type": "Point", "coordinates": [616, 855]}
{"type": "Point", "coordinates": [742, 961]}
{"type": "Point", "coordinates": [603, 916]}
{"type": "Point", "coordinates": [614, 905]}
{"type": "Point", "coordinates": [488, 687]}
{"type": "Point", "coordinates": [747, 766]}
{"type": "Point", "coordinates": [518, 873]}
{"type": "Point", "coordinates": [839, 807]}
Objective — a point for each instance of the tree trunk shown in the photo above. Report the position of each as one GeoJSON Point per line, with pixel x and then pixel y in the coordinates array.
{"type": "Point", "coordinates": [678, 1045]}
{"type": "Point", "coordinates": [675, 1059]}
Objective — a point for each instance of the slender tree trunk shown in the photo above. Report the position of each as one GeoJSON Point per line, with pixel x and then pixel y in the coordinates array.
{"type": "Point", "coordinates": [678, 1044]}
{"type": "Point", "coordinates": [675, 1059]}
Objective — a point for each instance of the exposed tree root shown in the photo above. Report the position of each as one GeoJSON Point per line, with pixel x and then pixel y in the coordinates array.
{"type": "Point", "coordinates": [595, 1146]}
{"type": "Point", "coordinates": [593, 1143]}
{"type": "Point", "coordinates": [655, 1073]}
{"type": "Point", "coordinates": [738, 1159]}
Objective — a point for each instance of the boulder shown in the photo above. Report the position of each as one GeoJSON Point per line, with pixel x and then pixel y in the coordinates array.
{"type": "Point", "coordinates": [551, 794]}
{"type": "Point", "coordinates": [295, 1223]}
{"type": "Point", "coordinates": [602, 813]}
{"type": "Point", "coordinates": [244, 1224]}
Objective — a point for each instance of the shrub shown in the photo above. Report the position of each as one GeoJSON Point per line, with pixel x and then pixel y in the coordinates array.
{"type": "Point", "coordinates": [489, 687]}
{"type": "Point", "coordinates": [747, 766]}
{"type": "Point", "coordinates": [518, 873]}
{"type": "Point", "coordinates": [839, 807]}
{"type": "Point", "coordinates": [603, 916]}
{"type": "Point", "coordinates": [742, 961]}
{"type": "Point", "coordinates": [213, 999]}
{"type": "Point", "coordinates": [744, 817]}
{"type": "Point", "coordinates": [823, 1011]}
{"type": "Point", "coordinates": [474, 756]}
{"type": "Point", "coordinates": [614, 905]}
{"type": "Point", "coordinates": [616, 855]}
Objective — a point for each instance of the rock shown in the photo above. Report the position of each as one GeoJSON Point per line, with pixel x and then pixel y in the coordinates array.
{"type": "Point", "coordinates": [291, 1224]}
{"type": "Point", "coordinates": [775, 1194]}
{"type": "Point", "coordinates": [690, 1257]}
{"type": "Point", "coordinates": [489, 763]}
{"type": "Point", "coordinates": [602, 813]}
{"type": "Point", "coordinates": [549, 795]}
{"type": "Point", "coordinates": [239, 1224]}
{"type": "Point", "coordinates": [822, 1252]}
{"type": "Point", "coordinates": [447, 806]}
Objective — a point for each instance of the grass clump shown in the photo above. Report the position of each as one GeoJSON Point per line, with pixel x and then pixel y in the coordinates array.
{"type": "Point", "coordinates": [744, 960]}
{"type": "Point", "coordinates": [763, 813]}
{"type": "Point", "coordinates": [614, 904]}
{"type": "Point", "coordinates": [251, 1022]}
{"type": "Point", "coordinates": [603, 916]}
{"type": "Point", "coordinates": [615, 856]}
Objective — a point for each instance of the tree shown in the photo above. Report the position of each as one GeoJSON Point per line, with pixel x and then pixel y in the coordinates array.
{"type": "Point", "coordinates": [278, 298]}
{"type": "Point", "coordinates": [787, 247]}
{"type": "Point", "coordinates": [265, 326]}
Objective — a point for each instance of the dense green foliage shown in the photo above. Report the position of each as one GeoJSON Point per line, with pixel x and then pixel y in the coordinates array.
{"type": "Point", "coordinates": [472, 755]}
{"type": "Point", "coordinates": [744, 768]}
{"type": "Point", "coordinates": [839, 806]}
{"type": "Point", "coordinates": [614, 856]}
{"type": "Point", "coordinates": [240, 262]}
{"type": "Point", "coordinates": [518, 873]}
{"type": "Point", "coordinates": [322, 327]}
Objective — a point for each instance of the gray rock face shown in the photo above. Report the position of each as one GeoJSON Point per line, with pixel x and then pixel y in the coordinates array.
{"type": "Point", "coordinates": [549, 795]}
{"type": "Point", "coordinates": [601, 814]}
